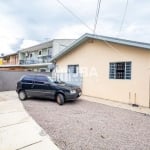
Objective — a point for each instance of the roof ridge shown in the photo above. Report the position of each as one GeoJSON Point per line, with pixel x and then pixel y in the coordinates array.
{"type": "Point", "coordinates": [85, 36]}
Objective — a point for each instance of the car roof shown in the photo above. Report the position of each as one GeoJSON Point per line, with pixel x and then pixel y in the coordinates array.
{"type": "Point", "coordinates": [34, 75]}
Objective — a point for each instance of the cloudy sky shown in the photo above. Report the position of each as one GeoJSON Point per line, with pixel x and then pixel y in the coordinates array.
{"type": "Point", "coordinates": [29, 22]}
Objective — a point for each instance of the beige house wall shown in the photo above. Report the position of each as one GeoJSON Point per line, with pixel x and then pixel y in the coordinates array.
{"type": "Point", "coordinates": [96, 55]}
{"type": "Point", "coordinates": [14, 59]}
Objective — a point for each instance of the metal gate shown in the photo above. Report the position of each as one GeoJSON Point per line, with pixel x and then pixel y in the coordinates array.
{"type": "Point", "coordinates": [70, 78]}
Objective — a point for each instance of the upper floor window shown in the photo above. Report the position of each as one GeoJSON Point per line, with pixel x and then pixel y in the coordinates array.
{"type": "Point", "coordinates": [40, 52]}
{"type": "Point", "coordinates": [120, 70]}
{"type": "Point", "coordinates": [26, 54]}
{"type": "Point", "coordinates": [73, 68]}
{"type": "Point", "coordinates": [49, 50]}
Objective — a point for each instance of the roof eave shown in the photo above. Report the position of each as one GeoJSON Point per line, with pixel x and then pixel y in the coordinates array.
{"type": "Point", "coordinates": [102, 38]}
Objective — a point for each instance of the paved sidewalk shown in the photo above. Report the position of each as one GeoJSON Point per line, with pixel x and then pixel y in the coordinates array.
{"type": "Point", "coordinates": [139, 109]}
{"type": "Point", "coordinates": [18, 131]}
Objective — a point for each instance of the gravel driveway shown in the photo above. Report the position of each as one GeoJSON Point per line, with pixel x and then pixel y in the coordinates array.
{"type": "Point", "coordinates": [84, 125]}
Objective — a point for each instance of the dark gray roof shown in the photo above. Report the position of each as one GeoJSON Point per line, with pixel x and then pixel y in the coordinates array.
{"type": "Point", "coordinates": [41, 45]}
{"type": "Point", "coordinates": [10, 54]}
{"type": "Point", "coordinates": [37, 47]}
{"type": "Point", "coordinates": [87, 36]}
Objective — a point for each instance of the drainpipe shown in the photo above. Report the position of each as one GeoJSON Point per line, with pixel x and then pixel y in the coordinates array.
{"type": "Point", "coordinates": [130, 102]}
{"type": "Point", "coordinates": [135, 105]}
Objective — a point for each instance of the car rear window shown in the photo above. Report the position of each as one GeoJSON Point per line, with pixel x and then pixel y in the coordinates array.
{"type": "Point", "coordinates": [28, 79]}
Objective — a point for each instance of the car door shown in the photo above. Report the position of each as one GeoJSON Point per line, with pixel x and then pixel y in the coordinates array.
{"type": "Point", "coordinates": [27, 84]}
{"type": "Point", "coordinates": [42, 87]}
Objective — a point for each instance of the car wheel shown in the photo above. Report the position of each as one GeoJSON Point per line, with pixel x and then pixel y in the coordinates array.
{"type": "Point", "coordinates": [60, 99]}
{"type": "Point", "coordinates": [22, 95]}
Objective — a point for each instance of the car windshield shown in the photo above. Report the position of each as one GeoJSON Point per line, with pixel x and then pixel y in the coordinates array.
{"type": "Point", "coordinates": [55, 81]}
{"type": "Point", "coordinates": [50, 79]}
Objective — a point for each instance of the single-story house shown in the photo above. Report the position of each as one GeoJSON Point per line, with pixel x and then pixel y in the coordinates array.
{"type": "Point", "coordinates": [113, 69]}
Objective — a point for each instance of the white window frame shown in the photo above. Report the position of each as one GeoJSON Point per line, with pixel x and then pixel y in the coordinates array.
{"type": "Point", "coordinates": [75, 70]}
{"type": "Point", "coordinates": [123, 74]}
{"type": "Point", "coordinates": [39, 53]}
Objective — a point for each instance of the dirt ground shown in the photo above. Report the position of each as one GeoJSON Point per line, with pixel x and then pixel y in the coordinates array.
{"type": "Point", "coordinates": [83, 125]}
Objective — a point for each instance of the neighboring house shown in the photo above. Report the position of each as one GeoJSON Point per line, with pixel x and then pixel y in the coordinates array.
{"type": "Point", "coordinates": [10, 62]}
{"type": "Point", "coordinates": [37, 58]}
{"type": "Point", "coordinates": [10, 59]}
{"type": "Point", "coordinates": [113, 69]}
{"type": "Point", "coordinates": [1, 60]}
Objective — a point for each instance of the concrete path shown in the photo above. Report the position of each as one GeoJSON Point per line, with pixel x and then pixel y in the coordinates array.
{"type": "Point", "coordinates": [18, 131]}
{"type": "Point", "coordinates": [139, 109]}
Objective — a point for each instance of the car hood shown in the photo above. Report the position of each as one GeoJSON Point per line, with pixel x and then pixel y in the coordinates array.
{"type": "Point", "coordinates": [67, 86]}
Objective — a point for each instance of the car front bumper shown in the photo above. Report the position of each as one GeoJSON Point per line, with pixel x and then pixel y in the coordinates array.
{"type": "Point", "coordinates": [72, 97]}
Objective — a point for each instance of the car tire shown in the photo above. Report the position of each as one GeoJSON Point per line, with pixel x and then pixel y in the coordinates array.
{"type": "Point", "coordinates": [60, 99]}
{"type": "Point", "coordinates": [22, 95]}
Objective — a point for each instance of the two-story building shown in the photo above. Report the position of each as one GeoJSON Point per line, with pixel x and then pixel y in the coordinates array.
{"type": "Point", "coordinates": [37, 58]}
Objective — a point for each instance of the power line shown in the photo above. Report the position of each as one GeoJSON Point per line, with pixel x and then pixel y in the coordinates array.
{"type": "Point", "coordinates": [106, 42]}
{"type": "Point", "coordinates": [97, 14]}
{"type": "Point", "coordinates": [123, 18]}
{"type": "Point", "coordinates": [96, 19]}
{"type": "Point", "coordinates": [73, 14]}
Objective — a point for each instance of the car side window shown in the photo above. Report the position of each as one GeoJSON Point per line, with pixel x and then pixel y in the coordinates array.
{"type": "Point", "coordinates": [41, 79]}
{"type": "Point", "coordinates": [28, 79]}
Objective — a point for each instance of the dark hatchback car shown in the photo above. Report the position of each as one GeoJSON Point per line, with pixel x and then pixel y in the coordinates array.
{"type": "Point", "coordinates": [43, 86]}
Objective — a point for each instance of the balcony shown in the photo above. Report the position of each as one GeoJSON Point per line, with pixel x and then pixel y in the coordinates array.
{"type": "Point", "coordinates": [42, 59]}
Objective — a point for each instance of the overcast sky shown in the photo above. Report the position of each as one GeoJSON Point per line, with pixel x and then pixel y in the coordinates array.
{"type": "Point", "coordinates": [29, 22]}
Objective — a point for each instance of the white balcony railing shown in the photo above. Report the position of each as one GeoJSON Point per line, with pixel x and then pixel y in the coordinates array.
{"type": "Point", "coordinates": [42, 59]}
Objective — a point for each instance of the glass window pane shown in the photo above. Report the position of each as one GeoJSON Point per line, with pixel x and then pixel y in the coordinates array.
{"type": "Point", "coordinates": [73, 68]}
{"type": "Point", "coordinates": [120, 70]}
